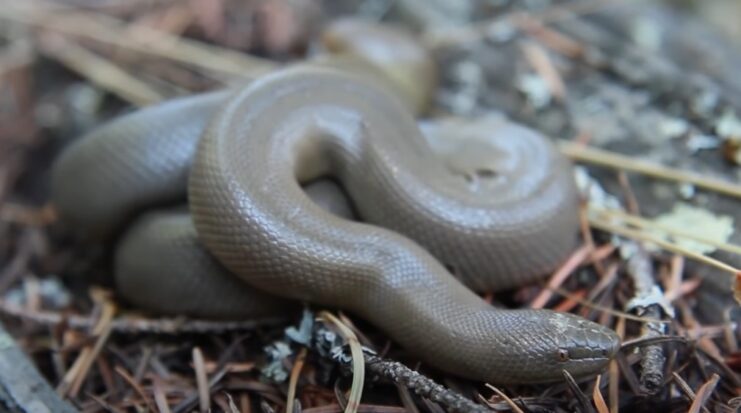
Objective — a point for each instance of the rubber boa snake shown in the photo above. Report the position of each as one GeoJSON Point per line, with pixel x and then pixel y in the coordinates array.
{"type": "Point", "coordinates": [502, 219]}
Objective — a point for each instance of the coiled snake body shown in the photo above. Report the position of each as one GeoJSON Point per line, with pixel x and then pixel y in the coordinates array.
{"type": "Point", "coordinates": [304, 123]}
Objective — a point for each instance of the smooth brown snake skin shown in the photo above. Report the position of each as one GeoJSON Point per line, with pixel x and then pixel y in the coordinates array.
{"type": "Point", "coordinates": [501, 226]}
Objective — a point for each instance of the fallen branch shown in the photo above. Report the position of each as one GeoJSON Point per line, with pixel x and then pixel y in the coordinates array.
{"type": "Point", "coordinates": [421, 385]}
{"type": "Point", "coordinates": [132, 324]}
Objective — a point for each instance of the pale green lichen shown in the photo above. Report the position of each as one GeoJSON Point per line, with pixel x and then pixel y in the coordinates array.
{"type": "Point", "coordinates": [700, 222]}
{"type": "Point", "coordinates": [6, 341]}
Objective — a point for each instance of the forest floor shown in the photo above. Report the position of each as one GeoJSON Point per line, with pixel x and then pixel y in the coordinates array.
{"type": "Point", "coordinates": [646, 101]}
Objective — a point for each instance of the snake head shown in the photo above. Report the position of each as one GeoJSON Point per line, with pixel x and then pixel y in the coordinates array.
{"type": "Point", "coordinates": [582, 348]}
{"type": "Point", "coordinates": [537, 346]}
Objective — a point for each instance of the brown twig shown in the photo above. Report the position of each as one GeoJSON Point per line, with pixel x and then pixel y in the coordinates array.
{"type": "Point", "coordinates": [204, 394]}
{"type": "Point", "coordinates": [560, 275]}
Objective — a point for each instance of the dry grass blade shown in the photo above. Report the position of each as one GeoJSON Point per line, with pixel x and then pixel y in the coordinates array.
{"type": "Point", "coordinates": [704, 393]}
{"type": "Point", "coordinates": [99, 71]}
{"type": "Point", "coordinates": [106, 29]}
{"type": "Point", "coordinates": [160, 398]}
{"type": "Point", "coordinates": [515, 408]}
{"type": "Point", "coordinates": [613, 160]}
{"type": "Point", "coordinates": [599, 401]}
{"type": "Point", "coordinates": [293, 381]}
{"type": "Point", "coordinates": [586, 406]}
{"type": "Point", "coordinates": [105, 405]}
{"type": "Point", "coordinates": [232, 406]}
{"type": "Point", "coordinates": [204, 395]}
{"type": "Point", "coordinates": [667, 245]}
{"type": "Point", "coordinates": [137, 388]}
{"type": "Point", "coordinates": [687, 390]}
{"type": "Point", "coordinates": [358, 361]}
{"type": "Point", "coordinates": [75, 377]}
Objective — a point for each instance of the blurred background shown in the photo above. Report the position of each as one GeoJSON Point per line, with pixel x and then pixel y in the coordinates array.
{"type": "Point", "coordinates": [654, 81]}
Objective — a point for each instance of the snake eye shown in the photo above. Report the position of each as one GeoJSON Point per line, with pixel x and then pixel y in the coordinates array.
{"type": "Point", "coordinates": [563, 355]}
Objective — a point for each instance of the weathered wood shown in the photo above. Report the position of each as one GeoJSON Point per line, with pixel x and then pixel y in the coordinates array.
{"type": "Point", "coordinates": [22, 388]}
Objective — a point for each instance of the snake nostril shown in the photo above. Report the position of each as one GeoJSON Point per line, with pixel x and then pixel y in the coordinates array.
{"type": "Point", "coordinates": [486, 173]}
{"type": "Point", "coordinates": [563, 355]}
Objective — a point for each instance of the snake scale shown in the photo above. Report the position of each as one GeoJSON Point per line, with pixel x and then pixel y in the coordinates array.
{"type": "Point", "coordinates": [497, 213]}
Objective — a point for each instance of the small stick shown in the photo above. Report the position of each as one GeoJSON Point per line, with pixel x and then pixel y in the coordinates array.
{"type": "Point", "coordinates": [653, 358]}
{"type": "Point", "coordinates": [421, 385]}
